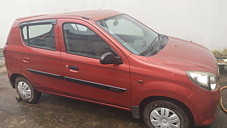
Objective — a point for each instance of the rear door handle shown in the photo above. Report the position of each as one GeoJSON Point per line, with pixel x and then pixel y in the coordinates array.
{"type": "Point", "coordinates": [74, 68]}
{"type": "Point", "coordinates": [26, 59]}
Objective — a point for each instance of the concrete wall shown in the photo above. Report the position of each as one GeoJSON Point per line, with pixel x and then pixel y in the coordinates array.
{"type": "Point", "coordinates": [201, 21]}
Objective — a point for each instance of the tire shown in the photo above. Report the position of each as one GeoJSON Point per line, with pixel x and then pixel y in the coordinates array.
{"type": "Point", "coordinates": [165, 114]}
{"type": "Point", "coordinates": [26, 91]}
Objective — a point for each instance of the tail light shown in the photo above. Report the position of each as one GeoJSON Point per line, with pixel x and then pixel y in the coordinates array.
{"type": "Point", "coordinates": [4, 49]}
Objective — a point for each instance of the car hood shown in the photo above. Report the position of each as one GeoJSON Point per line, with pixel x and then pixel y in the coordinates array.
{"type": "Point", "coordinates": [185, 55]}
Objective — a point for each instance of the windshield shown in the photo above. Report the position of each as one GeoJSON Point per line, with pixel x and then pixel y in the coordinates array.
{"type": "Point", "coordinates": [133, 35]}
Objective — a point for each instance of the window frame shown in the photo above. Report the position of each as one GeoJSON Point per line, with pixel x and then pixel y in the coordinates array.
{"type": "Point", "coordinates": [34, 23]}
{"type": "Point", "coordinates": [73, 53]}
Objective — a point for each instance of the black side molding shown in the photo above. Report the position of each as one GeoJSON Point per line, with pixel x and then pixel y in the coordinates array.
{"type": "Point", "coordinates": [96, 85]}
{"type": "Point", "coordinates": [81, 82]}
{"type": "Point", "coordinates": [46, 74]}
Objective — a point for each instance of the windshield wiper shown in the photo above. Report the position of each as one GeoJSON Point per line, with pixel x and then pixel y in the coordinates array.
{"type": "Point", "coordinates": [152, 42]}
{"type": "Point", "coordinates": [150, 47]}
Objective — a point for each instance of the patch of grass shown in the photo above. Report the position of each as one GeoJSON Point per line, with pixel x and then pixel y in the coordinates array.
{"type": "Point", "coordinates": [1, 54]}
{"type": "Point", "coordinates": [220, 53]}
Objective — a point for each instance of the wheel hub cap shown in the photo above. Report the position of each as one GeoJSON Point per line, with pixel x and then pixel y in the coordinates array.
{"type": "Point", "coordinates": [164, 118]}
{"type": "Point", "coordinates": [24, 90]}
{"type": "Point", "coordinates": [164, 121]}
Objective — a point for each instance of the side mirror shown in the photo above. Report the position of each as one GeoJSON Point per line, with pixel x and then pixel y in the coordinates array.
{"type": "Point", "coordinates": [109, 58]}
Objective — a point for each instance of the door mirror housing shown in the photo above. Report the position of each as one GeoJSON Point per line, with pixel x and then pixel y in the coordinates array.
{"type": "Point", "coordinates": [109, 58]}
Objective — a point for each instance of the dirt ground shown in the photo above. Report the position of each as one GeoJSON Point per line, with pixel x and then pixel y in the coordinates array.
{"type": "Point", "coordinates": [60, 112]}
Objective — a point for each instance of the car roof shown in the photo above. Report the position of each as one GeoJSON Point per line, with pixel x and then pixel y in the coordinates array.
{"type": "Point", "coordinates": [92, 14]}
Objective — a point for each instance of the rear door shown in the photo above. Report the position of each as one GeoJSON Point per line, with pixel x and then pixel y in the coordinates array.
{"type": "Point", "coordinates": [39, 56]}
{"type": "Point", "coordinates": [86, 78]}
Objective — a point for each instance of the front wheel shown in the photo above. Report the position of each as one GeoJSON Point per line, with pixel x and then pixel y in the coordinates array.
{"type": "Point", "coordinates": [26, 91]}
{"type": "Point", "coordinates": [165, 114]}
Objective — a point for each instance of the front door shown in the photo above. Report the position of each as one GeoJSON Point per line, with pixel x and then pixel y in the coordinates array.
{"type": "Point", "coordinates": [86, 77]}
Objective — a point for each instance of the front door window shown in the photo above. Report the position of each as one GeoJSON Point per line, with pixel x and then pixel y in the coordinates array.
{"type": "Point", "coordinates": [82, 41]}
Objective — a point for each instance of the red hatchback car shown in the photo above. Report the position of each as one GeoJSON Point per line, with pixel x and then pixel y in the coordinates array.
{"type": "Point", "coordinates": [109, 58]}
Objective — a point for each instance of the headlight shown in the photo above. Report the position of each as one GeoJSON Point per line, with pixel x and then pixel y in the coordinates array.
{"type": "Point", "coordinates": [205, 80]}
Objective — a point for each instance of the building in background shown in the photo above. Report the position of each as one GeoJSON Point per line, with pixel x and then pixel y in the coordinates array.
{"type": "Point", "coordinates": [200, 21]}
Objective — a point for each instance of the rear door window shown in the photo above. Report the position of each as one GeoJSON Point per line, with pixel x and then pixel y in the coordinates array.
{"type": "Point", "coordinates": [40, 36]}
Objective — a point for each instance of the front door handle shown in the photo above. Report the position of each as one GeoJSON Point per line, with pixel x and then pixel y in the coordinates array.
{"type": "Point", "coordinates": [74, 68]}
{"type": "Point", "coordinates": [26, 59]}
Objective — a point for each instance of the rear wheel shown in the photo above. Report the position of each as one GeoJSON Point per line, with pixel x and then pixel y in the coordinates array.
{"type": "Point", "coordinates": [26, 91]}
{"type": "Point", "coordinates": [165, 114]}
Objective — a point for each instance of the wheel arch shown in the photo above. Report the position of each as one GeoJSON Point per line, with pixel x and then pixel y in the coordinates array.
{"type": "Point", "coordinates": [13, 77]}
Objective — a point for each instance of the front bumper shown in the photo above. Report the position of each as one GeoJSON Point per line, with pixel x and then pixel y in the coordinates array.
{"type": "Point", "coordinates": [204, 106]}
